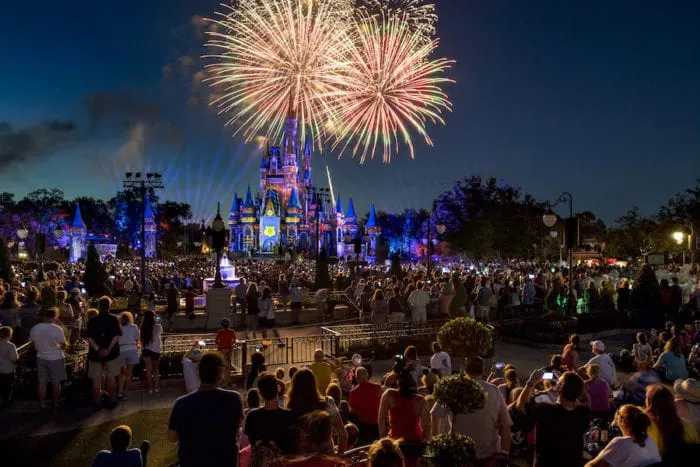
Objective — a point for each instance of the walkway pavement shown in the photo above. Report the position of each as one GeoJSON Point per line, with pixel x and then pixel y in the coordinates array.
{"type": "Point", "coordinates": [26, 421]}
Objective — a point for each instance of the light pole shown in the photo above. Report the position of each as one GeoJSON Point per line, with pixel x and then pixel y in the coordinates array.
{"type": "Point", "coordinates": [217, 236]}
{"type": "Point", "coordinates": [678, 237]}
{"type": "Point", "coordinates": [440, 229]}
{"type": "Point", "coordinates": [321, 195]}
{"type": "Point", "coordinates": [550, 219]}
{"type": "Point", "coordinates": [144, 183]}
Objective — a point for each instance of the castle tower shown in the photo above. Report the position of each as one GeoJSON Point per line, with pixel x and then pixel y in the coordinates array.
{"type": "Point", "coordinates": [150, 229]}
{"type": "Point", "coordinates": [293, 216]}
{"type": "Point", "coordinates": [248, 220]}
{"type": "Point", "coordinates": [234, 222]}
{"type": "Point", "coordinates": [372, 230]}
{"type": "Point", "coordinates": [339, 226]}
{"type": "Point", "coordinates": [78, 232]}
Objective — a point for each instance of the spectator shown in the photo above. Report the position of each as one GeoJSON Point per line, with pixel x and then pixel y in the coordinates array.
{"type": "Point", "coordinates": [225, 339]}
{"type": "Point", "coordinates": [121, 455]}
{"type": "Point", "coordinates": [240, 296]}
{"type": "Point", "coordinates": [607, 366]}
{"type": "Point", "coordinates": [440, 361]}
{"type": "Point", "coordinates": [669, 431]}
{"type": "Point", "coordinates": [268, 425]}
{"type": "Point", "coordinates": [428, 382]}
{"type": "Point", "coordinates": [128, 352]}
{"type": "Point", "coordinates": [295, 298]}
{"type": "Point", "coordinates": [634, 448]}
{"type": "Point", "coordinates": [173, 303]}
{"type": "Point", "coordinates": [397, 307]}
{"type": "Point", "coordinates": [688, 401]}
{"type": "Point", "coordinates": [214, 443]}
{"type": "Point", "coordinates": [385, 452]}
{"type": "Point", "coordinates": [405, 411]}
{"type": "Point", "coordinates": [322, 370]}
{"type": "Point", "coordinates": [8, 363]}
{"type": "Point", "coordinates": [334, 392]}
{"type": "Point", "coordinates": [380, 308]}
{"type": "Point", "coordinates": [28, 315]}
{"type": "Point", "coordinates": [353, 435]}
{"type": "Point", "coordinates": [561, 426]}
{"type": "Point", "coordinates": [316, 433]}
{"type": "Point", "coordinates": [635, 389]}
{"type": "Point", "coordinates": [555, 364]}
{"type": "Point", "coordinates": [151, 331]}
{"type": "Point", "coordinates": [410, 361]}
{"type": "Point", "coordinates": [190, 365]}
{"type": "Point", "coordinates": [509, 386]}
{"type": "Point", "coordinates": [252, 297]}
{"type": "Point", "coordinates": [50, 342]}
{"type": "Point", "coordinates": [570, 354]}
{"type": "Point", "coordinates": [671, 363]}
{"type": "Point", "coordinates": [283, 291]}
{"type": "Point", "coordinates": [418, 301]}
{"type": "Point", "coordinates": [641, 349]}
{"type": "Point", "coordinates": [9, 311]}
{"type": "Point", "coordinates": [252, 400]}
{"type": "Point", "coordinates": [598, 393]}
{"type": "Point", "coordinates": [257, 366]}
{"type": "Point", "coordinates": [267, 316]}
{"type": "Point", "coordinates": [103, 332]}
{"type": "Point", "coordinates": [189, 302]}
{"type": "Point", "coordinates": [485, 426]}
{"type": "Point", "coordinates": [304, 398]}
{"type": "Point", "coordinates": [364, 404]}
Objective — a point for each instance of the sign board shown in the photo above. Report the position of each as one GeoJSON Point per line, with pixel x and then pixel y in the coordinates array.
{"type": "Point", "coordinates": [656, 259]}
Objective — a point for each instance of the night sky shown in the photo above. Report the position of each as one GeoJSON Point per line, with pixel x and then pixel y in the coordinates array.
{"type": "Point", "coordinates": [600, 98]}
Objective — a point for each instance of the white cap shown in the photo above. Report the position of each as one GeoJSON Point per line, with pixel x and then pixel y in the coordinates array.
{"type": "Point", "coordinates": [598, 345]}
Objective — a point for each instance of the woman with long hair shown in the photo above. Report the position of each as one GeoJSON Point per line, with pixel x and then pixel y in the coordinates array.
{"type": "Point", "coordinates": [252, 307]}
{"type": "Point", "coordinates": [380, 307]}
{"type": "Point", "coordinates": [669, 431]}
{"type": "Point", "coordinates": [569, 356]}
{"type": "Point", "coordinates": [385, 452]}
{"type": "Point", "coordinates": [316, 429]}
{"type": "Point", "coordinates": [151, 331]}
{"type": "Point", "coordinates": [634, 447]}
{"type": "Point", "coordinates": [511, 383]}
{"type": "Point", "coordinates": [406, 412]}
{"type": "Point", "coordinates": [623, 295]}
{"type": "Point", "coordinates": [671, 363]}
{"type": "Point", "coordinates": [128, 352]}
{"type": "Point", "coordinates": [304, 398]}
{"type": "Point", "coordinates": [257, 366]}
{"type": "Point", "coordinates": [267, 313]}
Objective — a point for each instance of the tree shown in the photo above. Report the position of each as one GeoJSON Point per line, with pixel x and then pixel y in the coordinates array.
{"type": "Point", "coordinates": [5, 268]}
{"type": "Point", "coordinates": [464, 337]}
{"type": "Point", "coordinates": [396, 269]}
{"type": "Point", "coordinates": [323, 277]}
{"type": "Point", "coordinates": [95, 274]}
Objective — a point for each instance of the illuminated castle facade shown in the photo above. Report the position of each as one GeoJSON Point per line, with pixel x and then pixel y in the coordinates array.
{"type": "Point", "coordinates": [289, 212]}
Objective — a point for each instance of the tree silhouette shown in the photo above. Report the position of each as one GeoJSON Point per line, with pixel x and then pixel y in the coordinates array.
{"type": "Point", "coordinates": [5, 269]}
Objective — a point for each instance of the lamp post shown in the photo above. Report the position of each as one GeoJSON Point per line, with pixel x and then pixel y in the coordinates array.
{"type": "Point", "coordinates": [143, 183]}
{"type": "Point", "coordinates": [440, 229]}
{"type": "Point", "coordinates": [321, 195]}
{"type": "Point", "coordinates": [678, 237]}
{"type": "Point", "coordinates": [217, 236]}
{"type": "Point", "coordinates": [550, 219]}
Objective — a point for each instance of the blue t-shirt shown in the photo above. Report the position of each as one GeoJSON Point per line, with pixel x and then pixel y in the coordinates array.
{"type": "Point", "coordinates": [674, 365]}
{"type": "Point", "coordinates": [130, 458]}
{"type": "Point", "coordinates": [207, 424]}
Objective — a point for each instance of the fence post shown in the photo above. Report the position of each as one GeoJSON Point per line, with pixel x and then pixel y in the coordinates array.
{"type": "Point", "coordinates": [244, 356]}
{"type": "Point", "coordinates": [336, 341]}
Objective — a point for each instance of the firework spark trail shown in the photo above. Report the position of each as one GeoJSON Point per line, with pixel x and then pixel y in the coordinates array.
{"type": "Point", "coordinates": [390, 87]}
{"type": "Point", "coordinates": [277, 59]}
{"type": "Point", "coordinates": [420, 16]}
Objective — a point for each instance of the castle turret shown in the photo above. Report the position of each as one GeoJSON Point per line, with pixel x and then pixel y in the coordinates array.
{"type": "Point", "coordinates": [372, 230]}
{"type": "Point", "coordinates": [78, 233]}
{"type": "Point", "coordinates": [150, 230]}
{"type": "Point", "coordinates": [248, 219]}
{"type": "Point", "coordinates": [234, 220]}
{"type": "Point", "coordinates": [351, 220]}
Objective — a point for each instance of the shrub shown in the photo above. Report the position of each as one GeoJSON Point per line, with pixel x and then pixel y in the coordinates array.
{"type": "Point", "coordinates": [460, 394]}
{"type": "Point", "coordinates": [452, 450]}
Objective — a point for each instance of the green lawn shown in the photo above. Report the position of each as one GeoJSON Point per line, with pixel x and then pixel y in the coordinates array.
{"type": "Point", "coordinates": [77, 448]}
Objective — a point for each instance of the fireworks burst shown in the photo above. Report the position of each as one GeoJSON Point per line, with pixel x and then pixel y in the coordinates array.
{"type": "Point", "coordinates": [420, 16]}
{"type": "Point", "coordinates": [390, 87]}
{"type": "Point", "coordinates": [356, 72]}
{"type": "Point", "coordinates": [277, 59]}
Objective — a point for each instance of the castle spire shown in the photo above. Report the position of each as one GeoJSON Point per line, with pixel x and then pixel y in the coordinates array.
{"type": "Point", "coordinates": [248, 199]}
{"type": "Point", "coordinates": [372, 221]}
{"type": "Point", "coordinates": [339, 205]}
{"type": "Point", "coordinates": [78, 218]}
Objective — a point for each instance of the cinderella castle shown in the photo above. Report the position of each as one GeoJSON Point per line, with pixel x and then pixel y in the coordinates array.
{"type": "Point", "coordinates": [289, 212]}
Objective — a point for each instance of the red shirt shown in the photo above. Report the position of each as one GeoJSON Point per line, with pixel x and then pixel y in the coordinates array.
{"type": "Point", "coordinates": [364, 402]}
{"type": "Point", "coordinates": [225, 339]}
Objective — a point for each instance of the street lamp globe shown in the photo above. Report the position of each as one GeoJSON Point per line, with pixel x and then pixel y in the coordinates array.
{"type": "Point", "coordinates": [58, 233]}
{"type": "Point", "coordinates": [218, 224]}
{"type": "Point", "coordinates": [553, 233]}
{"type": "Point", "coordinates": [549, 219]}
{"type": "Point", "coordinates": [440, 228]}
{"type": "Point", "coordinates": [678, 237]}
{"type": "Point", "coordinates": [22, 233]}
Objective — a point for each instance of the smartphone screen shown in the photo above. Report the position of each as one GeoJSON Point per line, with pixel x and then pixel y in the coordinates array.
{"type": "Point", "coordinates": [548, 375]}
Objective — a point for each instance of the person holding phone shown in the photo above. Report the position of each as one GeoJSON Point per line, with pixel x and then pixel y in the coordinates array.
{"type": "Point", "coordinates": [560, 426]}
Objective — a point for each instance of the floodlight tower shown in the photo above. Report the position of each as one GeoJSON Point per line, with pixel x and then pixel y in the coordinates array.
{"type": "Point", "coordinates": [144, 183]}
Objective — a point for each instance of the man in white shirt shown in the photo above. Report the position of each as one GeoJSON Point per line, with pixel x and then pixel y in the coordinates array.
{"type": "Point", "coordinates": [418, 301]}
{"type": "Point", "coordinates": [50, 342]}
{"type": "Point", "coordinates": [607, 366]}
{"type": "Point", "coordinates": [489, 427]}
{"type": "Point", "coordinates": [440, 361]}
